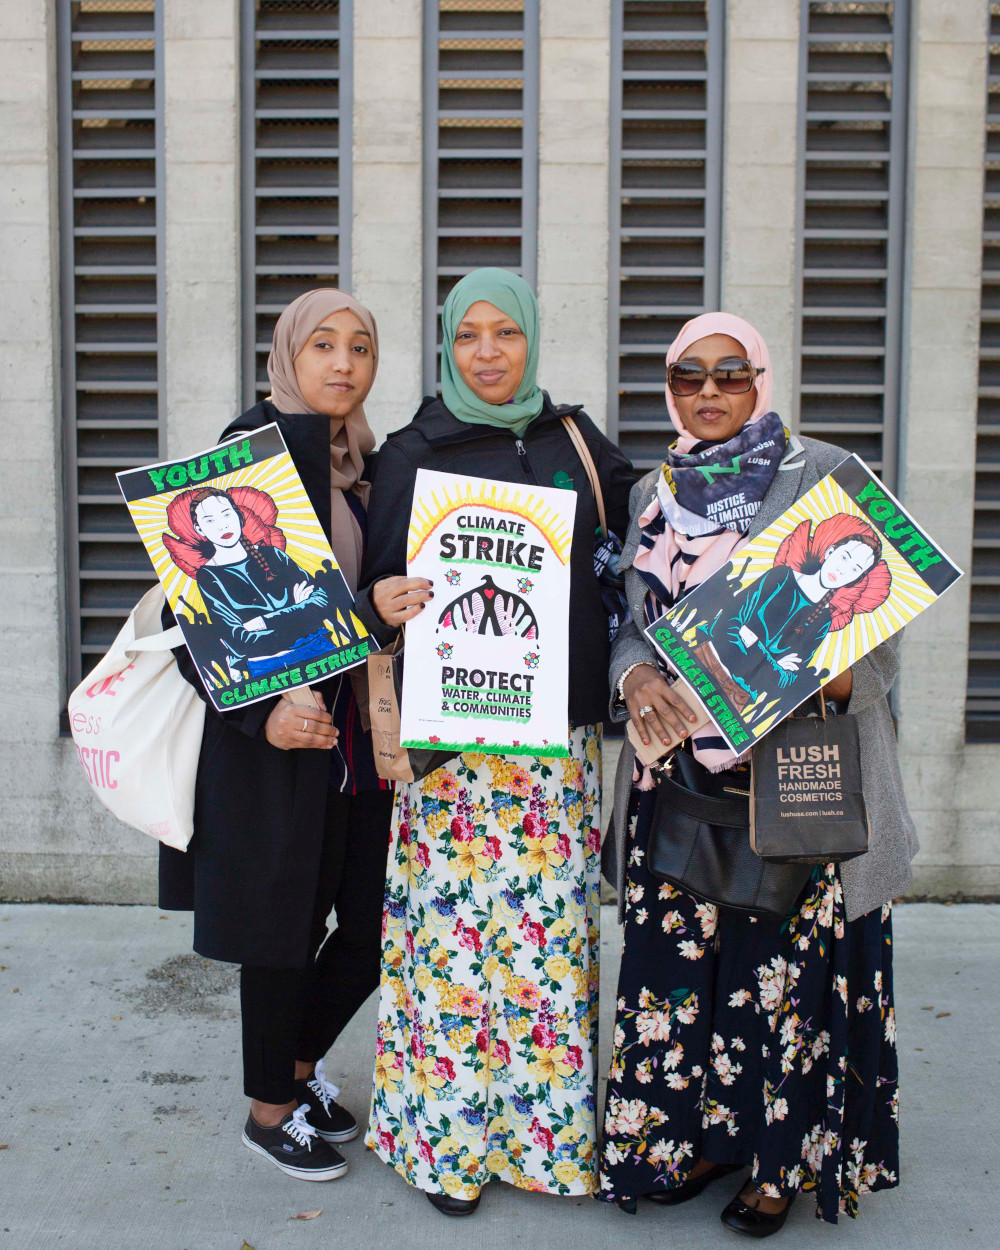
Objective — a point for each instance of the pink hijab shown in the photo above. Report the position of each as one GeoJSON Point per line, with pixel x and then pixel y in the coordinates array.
{"type": "Point", "coordinates": [681, 560]}
{"type": "Point", "coordinates": [754, 346]}
{"type": "Point", "coordinates": [351, 438]}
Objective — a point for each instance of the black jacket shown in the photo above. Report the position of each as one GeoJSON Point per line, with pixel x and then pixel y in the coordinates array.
{"type": "Point", "coordinates": [435, 439]}
{"type": "Point", "coordinates": [251, 871]}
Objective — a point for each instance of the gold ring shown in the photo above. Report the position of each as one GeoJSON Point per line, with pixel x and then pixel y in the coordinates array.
{"type": "Point", "coordinates": [305, 724]}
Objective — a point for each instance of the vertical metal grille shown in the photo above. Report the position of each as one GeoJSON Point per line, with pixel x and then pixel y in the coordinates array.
{"type": "Point", "coordinates": [667, 66]}
{"type": "Point", "coordinates": [296, 135]}
{"type": "Point", "coordinates": [852, 145]}
{"type": "Point", "coordinates": [111, 256]}
{"type": "Point", "coordinates": [982, 708]}
{"type": "Point", "coordinates": [480, 147]}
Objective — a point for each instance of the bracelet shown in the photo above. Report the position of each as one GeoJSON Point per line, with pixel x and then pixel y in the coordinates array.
{"type": "Point", "coordinates": [631, 667]}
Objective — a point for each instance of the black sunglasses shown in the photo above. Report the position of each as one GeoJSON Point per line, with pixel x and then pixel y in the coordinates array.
{"type": "Point", "coordinates": [732, 377]}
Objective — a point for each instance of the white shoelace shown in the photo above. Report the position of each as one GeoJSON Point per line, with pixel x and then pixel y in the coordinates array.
{"type": "Point", "coordinates": [299, 1128]}
{"type": "Point", "coordinates": [324, 1090]}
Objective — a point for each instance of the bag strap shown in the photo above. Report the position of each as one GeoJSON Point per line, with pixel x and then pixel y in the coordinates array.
{"type": "Point", "coordinates": [734, 812]}
{"type": "Point", "coordinates": [165, 641]}
{"type": "Point", "coordinates": [802, 711]}
{"type": "Point", "coordinates": [583, 451]}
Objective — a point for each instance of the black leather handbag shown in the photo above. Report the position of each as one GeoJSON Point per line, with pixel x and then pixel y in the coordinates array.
{"type": "Point", "coordinates": [699, 840]}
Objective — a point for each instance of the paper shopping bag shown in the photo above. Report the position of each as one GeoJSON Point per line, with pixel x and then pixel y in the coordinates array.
{"type": "Point", "coordinates": [806, 805]}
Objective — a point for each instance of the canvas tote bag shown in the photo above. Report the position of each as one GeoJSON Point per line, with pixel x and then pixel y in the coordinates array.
{"type": "Point", "coordinates": [138, 725]}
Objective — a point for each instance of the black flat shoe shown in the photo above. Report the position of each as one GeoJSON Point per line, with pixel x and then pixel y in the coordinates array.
{"type": "Point", "coordinates": [751, 1222]}
{"type": "Point", "coordinates": [692, 1188]}
{"type": "Point", "coordinates": [448, 1205]}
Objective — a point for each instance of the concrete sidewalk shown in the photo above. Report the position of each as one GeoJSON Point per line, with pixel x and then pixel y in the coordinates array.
{"type": "Point", "coordinates": [121, 1108]}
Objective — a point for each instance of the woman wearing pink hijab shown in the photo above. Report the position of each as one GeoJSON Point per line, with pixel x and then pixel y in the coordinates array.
{"type": "Point", "coordinates": [745, 1041]}
{"type": "Point", "coordinates": [291, 819]}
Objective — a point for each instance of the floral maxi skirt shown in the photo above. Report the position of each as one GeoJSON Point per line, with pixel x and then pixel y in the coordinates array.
{"type": "Point", "coordinates": [487, 1022]}
{"type": "Point", "coordinates": [751, 1040]}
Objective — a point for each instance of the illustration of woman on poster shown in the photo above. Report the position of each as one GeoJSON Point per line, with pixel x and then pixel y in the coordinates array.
{"type": "Point", "coordinates": [265, 610]}
{"type": "Point", "coordinates": [821, 578]}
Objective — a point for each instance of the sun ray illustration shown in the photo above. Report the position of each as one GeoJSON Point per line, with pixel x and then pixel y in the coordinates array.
{"type": "Point", "coordinates": [764, 725]}
{"type": "Point", "coordinates": [908, 595]}
{"type": "Point", "coordinates": [277, 477]}
{"type": "Point", "coordinates": [501, 497]}
{"type": "Point", "coordinates": [841, 648]}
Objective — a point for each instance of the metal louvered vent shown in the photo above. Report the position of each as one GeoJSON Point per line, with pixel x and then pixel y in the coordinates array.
{"type": "Point", "coordinates": [666, 201]}
{"type": "Point", "coordinates": [111, 260]}
{"type": "Point", "coordinates": [853, 91]}
{"type": "Point", "coordinates": [982, 706]}
{"type": "Point", "coordinates": [480, 147]}
{"type": "Point", "coordinates": [296, 134]}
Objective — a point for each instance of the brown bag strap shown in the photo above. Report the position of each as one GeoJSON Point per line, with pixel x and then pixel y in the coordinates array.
{"type": "Point", "coordinates": [583, 451]}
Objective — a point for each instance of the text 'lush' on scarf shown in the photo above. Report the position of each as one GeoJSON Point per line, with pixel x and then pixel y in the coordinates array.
{"type": "Point", "coordinates": [707, 496]}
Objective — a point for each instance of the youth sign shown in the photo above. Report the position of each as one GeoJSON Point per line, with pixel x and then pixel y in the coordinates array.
{"type": "Point", "coordinates": [246, 568]}
{"type": "Point", "coordinates": [486, 665]}
{"type": "Point", "coordinates": [842, 570]}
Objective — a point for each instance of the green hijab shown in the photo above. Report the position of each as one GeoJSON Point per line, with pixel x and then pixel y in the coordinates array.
{"type": "Point", "coordinates": [514, 297]}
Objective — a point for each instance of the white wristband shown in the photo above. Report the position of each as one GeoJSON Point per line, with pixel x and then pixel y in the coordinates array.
{"type": "Point", "coordinates": [631, 668]}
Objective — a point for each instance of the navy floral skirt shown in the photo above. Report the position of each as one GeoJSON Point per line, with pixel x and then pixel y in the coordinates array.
{"type": "Point", "coordinates": [751, 1040]}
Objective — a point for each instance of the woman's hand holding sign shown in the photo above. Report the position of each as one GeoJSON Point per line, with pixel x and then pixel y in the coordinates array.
{"type": "Point", "coordinates": [399, 599]}
{"type": "Point", "coordinates": [653, 705]}
{"type": "Point", "coordinates": [293, 726]}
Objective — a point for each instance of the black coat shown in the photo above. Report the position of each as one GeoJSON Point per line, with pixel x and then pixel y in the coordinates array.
{"type": "Point", "coordinates": [435, 439]}
{"type": "Point", "coordinates": [251, 869]}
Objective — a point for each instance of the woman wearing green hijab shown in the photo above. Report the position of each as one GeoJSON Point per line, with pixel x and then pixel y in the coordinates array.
{"type": "Point", "coordinates": [488, 1014]}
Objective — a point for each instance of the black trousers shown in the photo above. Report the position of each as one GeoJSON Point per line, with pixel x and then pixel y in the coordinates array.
{"type": "Point", "coordinates": [298, 1013]}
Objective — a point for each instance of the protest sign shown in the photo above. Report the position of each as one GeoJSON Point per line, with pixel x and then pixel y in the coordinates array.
{"type": "Point", "coordinates": [246, 568]}
{"type": "Point", "coordinates": [486, 663]}
{"type": "Point", "coordinates": [839, 572]}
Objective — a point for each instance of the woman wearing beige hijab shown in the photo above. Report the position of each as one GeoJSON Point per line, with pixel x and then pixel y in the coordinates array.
{"type": "Point", "coordinates": [291, 819]}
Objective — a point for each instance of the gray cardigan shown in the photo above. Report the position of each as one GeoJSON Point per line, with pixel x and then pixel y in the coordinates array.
{"type": "Point", "coordinates": [884, 871]}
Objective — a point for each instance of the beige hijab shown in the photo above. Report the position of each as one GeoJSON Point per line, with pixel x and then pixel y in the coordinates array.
{"type": "Point", "coordinates": [350, 437]}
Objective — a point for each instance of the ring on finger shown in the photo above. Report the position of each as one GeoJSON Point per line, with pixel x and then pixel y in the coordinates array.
{"type": "Point", "coordinates": [644, 711]}
{"type": "Point", "coordinates": [305, 724]}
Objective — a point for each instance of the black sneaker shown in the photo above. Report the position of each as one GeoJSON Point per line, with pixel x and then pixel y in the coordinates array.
{"type": "Point", "coordinates": [292, 1146]}
{"type": "Point", "coordinates": [333, 1122]}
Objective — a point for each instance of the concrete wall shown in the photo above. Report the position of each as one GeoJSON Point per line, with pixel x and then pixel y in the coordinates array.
{"type": "Point", "coordinates": [55, 840]}
{"type": "Point", "coordinates": [573, 143]}
{"type": "Point", "coordinates": [760, 179]}
{"type": "Point", "coordinates": [952, 784]}
{"type": "Point", "coordinates": [202, 180]}
{"type": "Point", "coordinates": [388, 204]}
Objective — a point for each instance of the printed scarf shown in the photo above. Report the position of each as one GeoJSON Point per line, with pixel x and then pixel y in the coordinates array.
{"type": "Point", "coordinates": [706, 499]}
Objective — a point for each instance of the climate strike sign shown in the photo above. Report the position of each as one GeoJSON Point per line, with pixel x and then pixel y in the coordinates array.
{"type": "Point", "coordinates": [486, 665]}
{"type": "Point", "coordinates": [246, 568]}
{"type": "Point", "coordinates": [842, 570]}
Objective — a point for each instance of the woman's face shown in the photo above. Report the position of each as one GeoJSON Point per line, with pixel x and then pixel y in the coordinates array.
{"type": "Point", "coordinates": [844, 564]}
{"type": "Point", "coordinates": [711, 416]}
{"type": "Point", "coordinates": [334, 369]}
{"type": "Point", "coordinates": [490, 353]}
{"type": "Point", "coordinates": [217, 520]}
